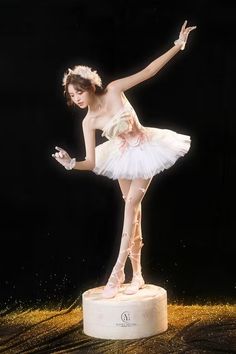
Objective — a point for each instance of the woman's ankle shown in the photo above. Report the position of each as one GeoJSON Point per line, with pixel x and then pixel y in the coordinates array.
{"type": "Point", "coordinates": [137, 273]}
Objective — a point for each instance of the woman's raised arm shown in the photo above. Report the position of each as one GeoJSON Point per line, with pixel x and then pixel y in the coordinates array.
{"type": "Point", "coordinates": [126, 83]}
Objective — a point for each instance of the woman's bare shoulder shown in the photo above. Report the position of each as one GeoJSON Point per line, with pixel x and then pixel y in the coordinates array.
{"type": "Point", "coordinates": [112, 101]}
{"type": "Point", "coordinates": [91, 121]}
{"type": "Point", "coordinates": [113, 98]}
{"type": "Point", "coordinates": [88, 120]}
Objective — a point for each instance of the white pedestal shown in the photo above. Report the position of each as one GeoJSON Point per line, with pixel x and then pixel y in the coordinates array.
{"type": "Point", "coordinates": [140, 315]}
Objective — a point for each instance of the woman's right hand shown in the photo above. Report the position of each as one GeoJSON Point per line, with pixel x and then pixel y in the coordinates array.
{"type": "Point", "coordinates": [64, 158]}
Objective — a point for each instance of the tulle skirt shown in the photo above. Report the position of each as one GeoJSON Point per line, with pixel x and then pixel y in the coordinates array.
{"type": "Point", "coordinates": [140, 156]}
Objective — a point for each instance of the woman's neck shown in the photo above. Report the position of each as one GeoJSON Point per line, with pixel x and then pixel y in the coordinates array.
{"type": "Point", "coordinates": [96, 105]}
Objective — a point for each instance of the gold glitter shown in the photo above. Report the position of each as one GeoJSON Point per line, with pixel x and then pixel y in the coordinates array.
{"type": "Point", "coordinates": [51, 330]}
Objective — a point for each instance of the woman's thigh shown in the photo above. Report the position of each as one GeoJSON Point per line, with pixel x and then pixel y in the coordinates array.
{"type": "Point", "coordinates": [134, 189]}
{"type": "Point", "coordinates": [137, 190]}
{"type": "Point", "coordinates": [124, 186]}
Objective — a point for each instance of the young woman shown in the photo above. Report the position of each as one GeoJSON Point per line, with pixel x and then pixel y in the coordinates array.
{"type": "Point", "coordinates": [132, 155]}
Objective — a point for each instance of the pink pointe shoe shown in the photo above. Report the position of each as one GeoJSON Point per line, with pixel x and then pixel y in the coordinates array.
{"type": "Point", "coordinates": [117, 278]}
{"type": "Point", "coordinates": [137, 280]}
{"type": "Point", "coordinates": [136, 284]}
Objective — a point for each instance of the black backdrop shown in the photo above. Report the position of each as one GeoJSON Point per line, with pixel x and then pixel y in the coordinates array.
{"type": "Point", "coordinates": [60, 230]}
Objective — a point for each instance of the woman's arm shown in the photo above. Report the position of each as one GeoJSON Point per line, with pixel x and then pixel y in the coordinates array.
{"type": "Point", "coordinates": [145, 74]}
{"type": "Point", "coordinates": [155, 66]}
{"type": "Point", "coordinates": [89, 139]}
{"type": "Point", "coordinates": [83, 165]}
{"type": "Point", "coordinates": [89, 163]}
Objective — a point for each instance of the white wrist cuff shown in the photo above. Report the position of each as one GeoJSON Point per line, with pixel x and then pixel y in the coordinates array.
{"type": "Point", "coordinates": [71, 164]}
{"type": "Point", "coordinates": [180, 41]}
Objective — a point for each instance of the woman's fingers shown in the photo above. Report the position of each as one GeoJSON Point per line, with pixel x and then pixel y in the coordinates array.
{"type": "Point", "coordinates": [62, 153]}
{"type": "Point", "coordinates": [55, 157]}
{"type": "Point", "coordinates": [183, 26]}
{"type": "Point", "coordinates": [184, 30]}
{"type": "Point", "coordinates": [58, 155]}
{"type": "Point", "coordinates": [62, 157]}
{"type": "Point", "coordinates": [189, 29]}
{"type": "Point", "coordinates": [59, 148]}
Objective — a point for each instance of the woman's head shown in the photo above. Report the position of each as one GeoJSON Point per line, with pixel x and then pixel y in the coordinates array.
{"type": "Point", "coordinates": [80, 86]}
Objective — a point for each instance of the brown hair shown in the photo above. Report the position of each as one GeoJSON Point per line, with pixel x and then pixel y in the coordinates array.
{"type": "Point", "coordinates": [80, 83]}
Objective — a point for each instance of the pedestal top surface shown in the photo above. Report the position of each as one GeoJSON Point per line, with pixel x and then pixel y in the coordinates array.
{"type": "Point", "coordinates": [144, 294]}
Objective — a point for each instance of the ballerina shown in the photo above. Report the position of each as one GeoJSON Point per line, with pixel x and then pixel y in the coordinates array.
{"type": "Point", "coordinates": [132, 155]}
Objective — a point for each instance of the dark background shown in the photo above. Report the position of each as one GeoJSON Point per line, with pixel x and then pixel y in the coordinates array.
{"type": "Point", "coordinates": [60, 230]}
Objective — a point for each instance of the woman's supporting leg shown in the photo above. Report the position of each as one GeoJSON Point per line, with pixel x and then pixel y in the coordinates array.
{"type": "Point", "coordinates": [135, 195]}
{"type": "Point", "coordinates": [137, 243]}
{"type": "Point", "coordinates": [135, 257]}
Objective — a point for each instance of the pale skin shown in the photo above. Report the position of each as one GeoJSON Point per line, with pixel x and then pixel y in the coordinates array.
{"type": "Point", "coordinates": [99, 110]}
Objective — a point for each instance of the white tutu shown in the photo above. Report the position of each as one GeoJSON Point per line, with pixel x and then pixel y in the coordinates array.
{"type": "Point", "coordinates": [143, 160]}
{"type": "Point", "coordinates": [134, 151]}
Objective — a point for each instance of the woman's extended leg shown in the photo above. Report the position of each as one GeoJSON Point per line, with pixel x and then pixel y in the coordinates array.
{"type": "Point", "coordinates": [135, 195]}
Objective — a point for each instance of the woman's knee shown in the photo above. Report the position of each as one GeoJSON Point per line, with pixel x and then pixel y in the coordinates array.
{"type": "Point", "coordinates": [134, 200]}
{"type": "Point", "coordinates": [132, 204]}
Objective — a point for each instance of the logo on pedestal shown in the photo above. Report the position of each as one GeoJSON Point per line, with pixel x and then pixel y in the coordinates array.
{"type": "Point", "coordinates": [126, 318]}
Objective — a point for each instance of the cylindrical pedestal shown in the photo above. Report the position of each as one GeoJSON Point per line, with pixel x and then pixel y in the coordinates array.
{"type": "Point", "coordinates": [140, 315]}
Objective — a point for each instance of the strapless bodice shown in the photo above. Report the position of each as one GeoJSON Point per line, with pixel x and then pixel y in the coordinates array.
{"type": "Point", "coordinates": [124, 122]}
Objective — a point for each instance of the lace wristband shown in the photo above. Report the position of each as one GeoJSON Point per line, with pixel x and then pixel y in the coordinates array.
{"type": "Point", "coordinates": [180, 41]}
{"type": "Point", "coordinates": [71, 164]}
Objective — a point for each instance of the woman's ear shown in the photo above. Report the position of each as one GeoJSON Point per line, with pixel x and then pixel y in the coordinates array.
{"type": "Point", "coordinates": [93, 88]}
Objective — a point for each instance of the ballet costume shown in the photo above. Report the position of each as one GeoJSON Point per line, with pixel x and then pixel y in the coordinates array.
{"type": "Point", "coordinates": [134, 151]}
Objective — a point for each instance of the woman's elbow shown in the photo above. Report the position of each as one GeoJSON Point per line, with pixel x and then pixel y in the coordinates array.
{"type": "Point", "coordinates": [91, 165]}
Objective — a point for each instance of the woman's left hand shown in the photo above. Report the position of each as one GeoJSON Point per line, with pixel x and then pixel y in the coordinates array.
{"type": "Point", "coordinates": [183, 35]}
{"type": "Point", "coordinates": [64, 158]}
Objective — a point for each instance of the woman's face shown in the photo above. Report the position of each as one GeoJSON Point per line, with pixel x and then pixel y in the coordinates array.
{"type": "Point", "coordinates": [79, 97]}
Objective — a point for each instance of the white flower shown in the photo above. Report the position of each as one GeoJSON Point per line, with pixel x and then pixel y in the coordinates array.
{"type": "Point", "coordinates": [85, 72]}
{"type": "Point", "coordinates": [123, 126]}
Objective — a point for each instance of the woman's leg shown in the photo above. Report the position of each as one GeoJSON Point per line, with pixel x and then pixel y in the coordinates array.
{"type": "Point", "coordinates": [136, 241]}
{"type": "Point", "coordinates": [135, 195]}
{"type": "Point", "coordinates": [135, 255]}
{"type": "Point", "coordinates": [124, 186]}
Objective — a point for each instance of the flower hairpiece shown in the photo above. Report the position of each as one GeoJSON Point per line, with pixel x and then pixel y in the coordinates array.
{"type": "Point", "coordinates": [85, 72]}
